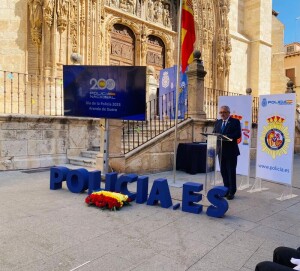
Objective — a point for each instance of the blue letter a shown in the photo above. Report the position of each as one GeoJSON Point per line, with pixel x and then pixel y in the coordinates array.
{"type": "Point", "coordinates": [160, 192]}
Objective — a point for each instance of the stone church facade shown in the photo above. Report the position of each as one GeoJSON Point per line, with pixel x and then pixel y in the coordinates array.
{"type": "Point", "coordinates": [235, 37]}
{"type": "Point", "coordinates": [241, 42]}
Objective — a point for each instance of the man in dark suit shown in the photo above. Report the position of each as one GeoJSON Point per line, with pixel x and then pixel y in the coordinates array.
{"type": "Point", "coordinates": [229, 152]}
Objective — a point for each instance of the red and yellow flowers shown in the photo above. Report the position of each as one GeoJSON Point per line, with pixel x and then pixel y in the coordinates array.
{"type": "Point", "coordinates": [107, 200]}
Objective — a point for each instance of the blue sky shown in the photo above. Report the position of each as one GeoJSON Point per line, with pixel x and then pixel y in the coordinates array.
{"type": "Point", "coordinates": [288, 11]}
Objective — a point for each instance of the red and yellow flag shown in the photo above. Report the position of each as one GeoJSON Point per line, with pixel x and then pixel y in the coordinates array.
{"type": "Point", "coordinates": [188, 35]}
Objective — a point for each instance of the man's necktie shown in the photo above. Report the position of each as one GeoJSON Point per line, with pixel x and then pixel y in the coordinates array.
{"type": "Point", "coordinates": [223, 126]}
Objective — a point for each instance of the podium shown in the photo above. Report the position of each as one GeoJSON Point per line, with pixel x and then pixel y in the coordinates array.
{"type": "Point", "coordinates": [214, 149]}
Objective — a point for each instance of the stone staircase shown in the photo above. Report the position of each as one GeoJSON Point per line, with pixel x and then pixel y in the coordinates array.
{"type": "Point", "coordinates": [86, 158]}
{"type": "Point", "coordinates": [138, 133]}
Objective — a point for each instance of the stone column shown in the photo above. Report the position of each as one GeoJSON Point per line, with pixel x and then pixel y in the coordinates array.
{"type": "Point", "coordinates": [116, 156]}
{"type": "Point", "coordinates": [196, 74]}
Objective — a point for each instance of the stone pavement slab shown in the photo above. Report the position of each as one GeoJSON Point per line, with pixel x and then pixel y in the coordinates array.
{"type": "Point", "coordinates": [46, 230]}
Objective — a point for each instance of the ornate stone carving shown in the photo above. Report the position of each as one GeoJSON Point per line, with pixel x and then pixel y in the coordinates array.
{"type": "Point", "coordinates": [158, 11]}
{"type": "Point", "coordinates": [224, 9]}
{"type": "Point", "coordinates": [154, 59]}
{"type": "Point", "coordinates": [129, 6]}
{"type": "Point", "coordinates": [221, 52]}
{"type": "Point", "coordinates": [169, 60]}
{"type": "Point", "coordinates": [228, 56]}
{"type": "Point", "coordinates": [36, 20]}
{"type": "Point", "coordinates": [82, 19]}
{"type": "Point", "coordinates": [115, 3]}
{"type": "Point", "coordinates": [62, 9]}
{"type": "Point", "coordinates": [166, 16]}
{"type": "Point", "coordinates": [150, 11]}
{"type": "Point", "coordinates": [74, 25]}
{"type": "Point", "coordinates": [48, 12]}
{"type": "Point", "coordinates": [91, 8]}
{"type": "Point", "coordinates": [73, 9]}
{"type": "Point", "coordinates": [212, 29]}
{"type": "Point", "coordinates": [225, 44]}
{"type": "Point", "coordinates": [123, 5]}
{"type": "Point", "coordinates": [89, 24]}
{"type": "Point", "coordinates": [144, 45]}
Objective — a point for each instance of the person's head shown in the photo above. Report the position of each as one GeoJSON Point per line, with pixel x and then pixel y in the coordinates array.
{"type": "Point", "coordinates": [224, 112]}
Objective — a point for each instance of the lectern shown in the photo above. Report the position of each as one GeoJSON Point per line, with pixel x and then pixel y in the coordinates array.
{"type": "Point", "coordinates": [214, 148]}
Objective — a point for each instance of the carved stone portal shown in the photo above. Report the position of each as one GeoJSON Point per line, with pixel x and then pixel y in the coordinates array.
{"type": "Point", "coordinates": [125, 32]}
{"type": "Point", "coordinates": [122, 46]}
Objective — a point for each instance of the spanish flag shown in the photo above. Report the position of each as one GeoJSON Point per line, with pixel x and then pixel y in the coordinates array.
{"type": "Point", "coordinates": [188, 35]}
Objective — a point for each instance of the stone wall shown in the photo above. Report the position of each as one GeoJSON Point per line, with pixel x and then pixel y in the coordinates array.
{"type": "Point", "coordinates": [254, 32]}
{"type": "Point", "coordinates": [292, 61]}
{"type": "Point", "coordinates": [13, 37]}
{"type": "Point", "coordinates": [238, 80]}
{"type": "Point", "coordinates": [37, 141]}
{"type": "Point", "coordinates": [278, 78]}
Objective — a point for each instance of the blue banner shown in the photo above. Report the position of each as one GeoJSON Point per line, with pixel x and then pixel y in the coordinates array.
{"type": "Point", "coordinates": [113, 92]}
{"type": "Point", "coordinates": [167, 94]}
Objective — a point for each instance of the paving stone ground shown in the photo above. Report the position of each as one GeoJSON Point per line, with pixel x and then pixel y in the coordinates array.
{"type": "Point", "coordinates": [42, 229]}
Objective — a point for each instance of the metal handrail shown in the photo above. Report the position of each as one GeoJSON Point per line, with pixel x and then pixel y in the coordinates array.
{"type": "Point", "coordinates": [160, 117]}
{"type": "Point", "coordinates": [22, 93]}
{"type": "Point", "coordinates": [136, 133]}
{"type": "Point", "coordinates": [211, 103]}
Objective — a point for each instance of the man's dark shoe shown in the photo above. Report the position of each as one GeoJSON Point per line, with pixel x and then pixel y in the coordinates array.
{"type": "Point", "coordinates": [227, 193]}
{"type": "Point", "coordinates": [230, 196]}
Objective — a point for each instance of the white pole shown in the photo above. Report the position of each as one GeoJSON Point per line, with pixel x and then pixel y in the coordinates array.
{"type": "Point", "coordinates": [177, 86]}
{"type": "Point", "coordinates": [106, 148]}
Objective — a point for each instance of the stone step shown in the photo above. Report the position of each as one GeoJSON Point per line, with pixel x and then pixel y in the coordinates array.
{"type": "Point", "coordinates": [89, 154]}
{"type": "Point", "coordinates": [82, 161]}
{"type": "Point", "coordinates": [94, 148]}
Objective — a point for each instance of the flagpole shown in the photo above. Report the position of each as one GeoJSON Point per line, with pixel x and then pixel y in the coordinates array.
{"type": "Point", "coordinates": [177, 86]}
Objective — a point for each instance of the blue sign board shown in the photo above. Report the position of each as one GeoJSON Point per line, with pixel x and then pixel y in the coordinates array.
{"type": "Point", "coordinates": [113, 92]}
{"type": "Point", "coordinates": [167, 93]}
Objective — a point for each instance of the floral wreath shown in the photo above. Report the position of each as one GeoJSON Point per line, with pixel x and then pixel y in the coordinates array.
{"type": "Point", "coordinates": [107, 200]}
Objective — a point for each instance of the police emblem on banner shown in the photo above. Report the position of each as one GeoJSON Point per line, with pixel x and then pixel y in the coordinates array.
{"type": "Point", "coordinates": [165, 80]}
{"type": "Point", "coordinates": [275, 137]}
{"type": "Point", "coordinates": [239, 117]}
